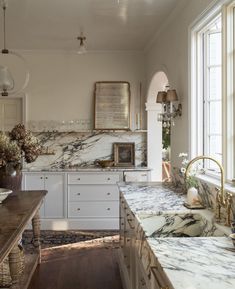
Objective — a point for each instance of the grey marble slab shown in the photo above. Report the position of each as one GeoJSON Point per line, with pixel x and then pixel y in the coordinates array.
{"type": "Point", "coordinates": [196, 263]}
{"type": "Point", "coordinates": [152, 197]}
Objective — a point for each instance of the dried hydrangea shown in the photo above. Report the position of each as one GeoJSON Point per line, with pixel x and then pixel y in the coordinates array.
{"type": "Point", "coordinates": [19, 144]}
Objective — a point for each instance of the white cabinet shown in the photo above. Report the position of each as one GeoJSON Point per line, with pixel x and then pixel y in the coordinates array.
{"type": "Point", "coordinates": [53, 206]}
{"type": "Point", "coordinates": [93, 200]}
{"type": "Point", "coordinates": [136, 176]}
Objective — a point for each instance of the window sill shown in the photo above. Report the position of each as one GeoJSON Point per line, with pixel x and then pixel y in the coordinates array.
{"type": "Point", "coordinates": [216, 182]}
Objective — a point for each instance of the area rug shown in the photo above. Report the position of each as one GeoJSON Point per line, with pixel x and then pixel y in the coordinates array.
{"type": "Point", "coordinates": [58, 238]}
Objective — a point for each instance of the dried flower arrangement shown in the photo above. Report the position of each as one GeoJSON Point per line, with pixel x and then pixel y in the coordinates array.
{"type": "Point", "coordinates": [19, 144]}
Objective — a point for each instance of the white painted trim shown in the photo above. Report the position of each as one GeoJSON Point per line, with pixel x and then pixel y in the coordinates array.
{"type": "Point", "coordinates": [153, 107]}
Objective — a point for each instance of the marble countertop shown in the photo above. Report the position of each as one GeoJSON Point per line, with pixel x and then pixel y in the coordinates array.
{"type": "Point", "coordinates": [152, 197]}
{"type": "Point", "coordinates": [86, 169]}
{"type": "Point", "coordinates": [189, 263]}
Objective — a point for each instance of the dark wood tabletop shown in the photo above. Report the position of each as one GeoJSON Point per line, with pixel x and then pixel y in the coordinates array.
{"type": "Point", "coordinates": [15, 213]}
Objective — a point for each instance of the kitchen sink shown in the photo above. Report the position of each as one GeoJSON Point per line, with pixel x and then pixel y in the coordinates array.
{"type": "Point", "coordinates": [170, 224]}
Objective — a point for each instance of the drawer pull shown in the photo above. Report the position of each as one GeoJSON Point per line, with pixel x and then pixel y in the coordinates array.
{"type": "Point", "coordinates": [46, 178]}
{"type": "Point", "coordinates": [78, 179]}
{"type": "Point", "coordinates": [108, 194]}
{"type": "Point", "coordinates": [129, 222]}
{"type": "Point", "coordinates": [78, 194]}
{"type": "Point", "coordinates": [108, 179]}
{"type": "Point", "coordinates": [78, 209]}
{"type": "Point", "coordinates": [41, 178]}
{"type": "Point", "coordinates": [142, 281]}
{"type": "Point", "coordinates": [108, 209]}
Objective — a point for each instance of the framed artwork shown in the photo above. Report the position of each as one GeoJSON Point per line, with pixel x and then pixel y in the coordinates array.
{"type": "Point", "coordinates": [112, 105]}
{"type": "Point", "coordinates": [124, 154]}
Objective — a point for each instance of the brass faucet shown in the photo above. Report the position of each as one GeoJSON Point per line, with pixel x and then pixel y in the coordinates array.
{"type": "Point", "coordinates": [222, 199]}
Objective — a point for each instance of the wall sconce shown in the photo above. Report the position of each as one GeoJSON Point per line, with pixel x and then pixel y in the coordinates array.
{"type": "Point", "coordinates": [169, 111]}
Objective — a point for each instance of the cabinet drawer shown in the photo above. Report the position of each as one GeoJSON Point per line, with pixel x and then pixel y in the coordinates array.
{"type": "Point", "coordinates": [93, 178]}
{"type": "Point", "coordinates": [92, 193]}
{"type": "Point", "coordinates": [93, 209]}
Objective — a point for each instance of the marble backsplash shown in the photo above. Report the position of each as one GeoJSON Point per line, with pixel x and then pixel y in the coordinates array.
{"type": "Point", "coordinates": [206, 191]}
{"type": "Point", "coordinates": [76, 149]}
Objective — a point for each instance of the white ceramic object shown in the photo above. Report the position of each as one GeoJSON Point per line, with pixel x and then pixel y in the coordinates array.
{"type": "Point", "coordinates": [192, 196]}
{"type": "Point", "coordinates": [4, 193]}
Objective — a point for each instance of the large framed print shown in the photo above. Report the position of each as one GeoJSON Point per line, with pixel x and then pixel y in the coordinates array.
{"type": "Point", "coordinates": [112, 105]}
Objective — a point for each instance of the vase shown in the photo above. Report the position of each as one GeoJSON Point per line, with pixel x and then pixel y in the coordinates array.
{"type": "Point", "coordinates": [10, 178]}
{"type": "Point", "coordinates": [192, 196]}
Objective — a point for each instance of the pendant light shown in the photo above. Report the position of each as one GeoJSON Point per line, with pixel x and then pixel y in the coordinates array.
{"type": "Point", "coordinates": [82, 47]}
{"type": "Point", "coordinates": [6, 80]}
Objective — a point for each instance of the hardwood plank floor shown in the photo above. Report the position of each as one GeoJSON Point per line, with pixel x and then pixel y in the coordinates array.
{"type": "Point", "coordinates": [86, 265]}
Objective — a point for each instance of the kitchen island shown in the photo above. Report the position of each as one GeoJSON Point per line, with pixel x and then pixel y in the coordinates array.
{"type": "Point", "coordinates": [16, 211]}
{"type": "Point", "coordinates": [166, 246]}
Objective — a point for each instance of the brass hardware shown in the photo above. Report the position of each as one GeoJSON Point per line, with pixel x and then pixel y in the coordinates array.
{"type": "Point", "coordinates": [129, 222]}
{"type": "Point", "coordinates": [142, 281]}
{"type": "Point", "coordinates": [222, 199]}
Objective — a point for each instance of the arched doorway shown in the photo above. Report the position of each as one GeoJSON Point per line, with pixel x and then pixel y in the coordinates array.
{"type": "Point", "coordinates": [154, 138]}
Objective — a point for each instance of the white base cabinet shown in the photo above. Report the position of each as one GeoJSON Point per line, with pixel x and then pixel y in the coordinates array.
{"type": "Point", "coordinates": [138, 265]}
{"type": "Point", "coordinates": [93, 198]}
{"type": "Point", "coordinates": [53, 204]}
{"type": "Point", "coordinates": [80, 200]}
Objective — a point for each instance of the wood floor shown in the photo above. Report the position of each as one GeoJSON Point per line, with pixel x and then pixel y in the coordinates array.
{"type": "Point", "coordinates": [90, 266]}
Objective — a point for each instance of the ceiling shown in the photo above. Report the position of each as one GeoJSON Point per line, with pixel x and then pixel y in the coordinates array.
{"type": "Point", "coordinates": [107, 24]}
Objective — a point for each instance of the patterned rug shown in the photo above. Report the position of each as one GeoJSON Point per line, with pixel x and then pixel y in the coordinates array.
{"type": "Point", "coordinates": [58, 238]}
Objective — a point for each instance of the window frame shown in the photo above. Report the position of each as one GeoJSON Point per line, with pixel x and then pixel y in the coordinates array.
{"type": "Point", "coordinates": [227, 10]}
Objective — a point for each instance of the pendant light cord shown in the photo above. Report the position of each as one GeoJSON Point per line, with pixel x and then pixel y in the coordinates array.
{"type": "Point", "coordinates": [4, 50]}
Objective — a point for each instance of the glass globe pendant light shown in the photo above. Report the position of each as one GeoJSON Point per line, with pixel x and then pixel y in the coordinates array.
{"type": "Point", "coordinates": [6, 79]}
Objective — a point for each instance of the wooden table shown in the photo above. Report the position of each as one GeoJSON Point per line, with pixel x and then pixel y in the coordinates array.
{"type": "Point", "coordinates": [15, 213]}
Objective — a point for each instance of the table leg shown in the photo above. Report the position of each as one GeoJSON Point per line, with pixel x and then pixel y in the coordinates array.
{"type": "Point", "coordinates": [14, 265]}
{"type": "Point", "coordinates": [36, 233]}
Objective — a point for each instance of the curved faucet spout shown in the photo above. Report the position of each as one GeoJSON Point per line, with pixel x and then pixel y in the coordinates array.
{"type": "Point", "coordinates": [220, 196]}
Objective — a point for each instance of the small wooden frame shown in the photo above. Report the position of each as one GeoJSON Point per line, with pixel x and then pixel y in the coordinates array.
{"type": "Point", "coordinates": [124, 154]}
{"type": "Point", "coordinates": [112, 105]}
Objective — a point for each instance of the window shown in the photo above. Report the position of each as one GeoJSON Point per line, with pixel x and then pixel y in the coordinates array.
{"type": "Point", "coordinates": [212, 104]}
{"type": "Point", "coordinates": [212, 92]}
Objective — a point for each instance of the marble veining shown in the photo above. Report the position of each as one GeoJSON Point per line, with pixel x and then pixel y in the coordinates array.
{"type": "Point", "coordinates": [152, 198]}
{"type": "Point", "coordinates": [83, 149]}
{"type": "Point", "coordinates": [184, 224]}
{"type": "Point", "coordinates": [199, 261]}
{"type": "Point", "coordinates": [196, 263]}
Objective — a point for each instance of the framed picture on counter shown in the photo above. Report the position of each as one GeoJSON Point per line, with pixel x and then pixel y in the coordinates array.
{"type": "Point", "coordinates": [112, 105]}
{"type": "Point", "coordinates": [124, 154]}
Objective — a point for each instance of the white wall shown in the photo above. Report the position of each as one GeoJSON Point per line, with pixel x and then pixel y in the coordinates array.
{"type": "Point", "coordinates": [61, 83]}
{"type": "Point", "coordinates": [169, 52]}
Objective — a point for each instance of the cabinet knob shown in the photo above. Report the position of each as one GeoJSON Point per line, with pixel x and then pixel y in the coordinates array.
{"type": "Point", "coordinates": [78, 209]}
{"type": "Point", "coordinates": [108, 179]}
{"type": "Point", "coordinates": [78, 194]}
{"type": "Point", "coordinates": [41, 178]}
{"type": "Point", "coordinates": [108, 209]}
{"type": "Point", "coordinates": [108, 194]}
{"type": "Point", "coordinates": [79, 179]}
{"type": "Point", "coordinates": [46, 178]}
